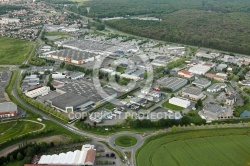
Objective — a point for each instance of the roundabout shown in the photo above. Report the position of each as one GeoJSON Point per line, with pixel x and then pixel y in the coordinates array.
{"type": "Point", "coordinates": [125, 141]}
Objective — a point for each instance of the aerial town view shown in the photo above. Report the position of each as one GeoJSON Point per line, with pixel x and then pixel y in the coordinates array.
{"type": "Point", "coordinates": [124, 83]}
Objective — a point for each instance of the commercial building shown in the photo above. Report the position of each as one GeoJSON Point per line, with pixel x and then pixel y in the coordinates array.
{"type": "Point", "coordinates": [219, 76]}
{"type": "Point", "coordinates": [180, 102]}
{"type": "Point", "coordinates": [201, 83]}
{"type": "Point", "coordinates": [200, 69]}
{"type": "Point", "coordinates": [8, 109]}
{"type": "Point", "coordinates": [193, 93]}
{"type": "Point", "coordinates": [58, 75]}
{"type": "Point", "coordinates": [42, 91]}
{"type": "Point", "coordinates": [172, 83]}
{"type": "Point", "coordinates": [216, 87]}
{"type": "Point", "coordinates": [185, 73]}
{"type": "Point", "coordinates": [84, 157]}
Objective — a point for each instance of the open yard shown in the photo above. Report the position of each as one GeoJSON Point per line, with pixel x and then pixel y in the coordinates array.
{"type": "Point", "coordinates": [206, 147]}
{"type": "Point", "coordinates": [12, 129]}
{"type": "Point", "coordinates": [125, 141]}
{"type": "Point", "coordinates": [13, 51]}
{"type": "Point", "coordinates": [172, 107]}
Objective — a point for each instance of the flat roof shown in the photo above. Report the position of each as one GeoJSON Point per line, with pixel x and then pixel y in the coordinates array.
{"type": "Point", "coordinates": [192, 90]}
{"type": "Point", "coordinates": [68, 100]}
{"type": "Point", "coordinates": [172, 82]}
{"type": "Point", "coordinates": [8, 107]}
{"type": "Point", "coordinates": [201, 81]}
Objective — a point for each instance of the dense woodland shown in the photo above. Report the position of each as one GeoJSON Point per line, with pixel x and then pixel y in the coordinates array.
{"type": "Point", "coordinates": [219, 24]}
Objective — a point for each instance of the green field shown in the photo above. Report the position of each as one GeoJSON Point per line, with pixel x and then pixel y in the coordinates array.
{"type": "Point", "coordinates": [13, 51]}
{"type": "Point", "coordinates": [13, 129]}
{"type": "Point", "coordinates": [172, 107]}
{"type": "Point", "coordinates": [207, 147]}
{"type": "Point", "coordinates": [125, 141]}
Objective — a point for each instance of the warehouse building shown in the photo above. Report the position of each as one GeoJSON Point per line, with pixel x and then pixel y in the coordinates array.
{"type": "Point", "coordinates": [180, 102]}
{"type": "Point", "coordinates": [76, 75]}
{"type": "Point", "coordinates": [131, 77]}
{"type": "Point", "coordinates": [65, 100]}
{"type": "Point", "coordinates": [216, 87]}
{"type": "Point", "coordinates": [215, 111]}
{"type": "Point", "coordinates": [42, 91]}
{"type": "Point", "coordinates": [201, 83]}
{"type": "Point", "coordinates": [73, 56]}
{"type": "Point", "coordinates": [200, 69]}
{"type": "Point", "coordinates": [8, 109]}
{"type": "Point", "coordinates": [84, 157]}
{"type": "Point", "coordinates": [193, 93]}
{"type": "Point", "coordinates": [172, 83]}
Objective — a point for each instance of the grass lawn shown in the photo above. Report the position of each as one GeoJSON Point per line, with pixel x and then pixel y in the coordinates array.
{"type": "Point", "coordinates": [13, 51]}
{"type": "Point", "coordinates": [109, 107]}
{"type": "Point", "coordinates": [172, 107]}
{"type": "Point", "coordinates": [206, 147]}
{"type": "Point", "coordinates": [14, 129]}
{"type": "Point", "coordinates": [125, 141]}
{"type": "Point", "coordinates": [120, 69]}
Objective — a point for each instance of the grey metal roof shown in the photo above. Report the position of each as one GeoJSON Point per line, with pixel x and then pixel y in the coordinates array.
{"type": "Point", "coordinates": [8, 107]}
{"type": "Point", "coordinates": [201, 81]}
{"type": "Point", "coordinates": [193, 91]}
{"type": "Point", "coordinates": [68, 100]}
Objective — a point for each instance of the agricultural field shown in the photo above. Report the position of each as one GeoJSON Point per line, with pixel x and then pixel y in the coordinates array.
{"type": "Point", "coordinates": [205, 147]}
{"type": "Point", "coordinates": [172, 107]}
{"type": "Point", "coordinates": [13, 51]}
{"type": "Point", "coordinates": [13, 129]}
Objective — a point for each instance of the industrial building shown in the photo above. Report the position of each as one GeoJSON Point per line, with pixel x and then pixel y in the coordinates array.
{"type": "Point", "coordinates": [65, 100]}
{"type": "Point", "coordinates": [214, 111]}
{"type": "Point", "coordinates": [200, 69]}
{"type": "Point", "coordinates": [185, 73]}
{"type": "Point", "coordinates": [193, 93]}
{"type": "Point", "coordinates": [81, 94]}
{"type": "Point", "coordinates": [172, 83]}
{"type": "Point", "coordinates": [76, 75]}
{"type": "Point", "coordinates": [221, 67]}
{"type": "Point", "coordinates": [83, 157]}
{"type": "Point", "coordinates": [180, 102]}
{"type": "Point", "coordinates": [216, 87]}
{"type": "Point", "coordinates": [73, 56]}
{"type": "Point", "coordinates": [131, 77]}
{"type": "Point", "coordinates": [8, 109]}
{"type": "Point", "coordinates": [201, 83]}
{"type": "Point", "coordinates": [207, 55]}
{"type": "Point", "coordinates": [42, 91]}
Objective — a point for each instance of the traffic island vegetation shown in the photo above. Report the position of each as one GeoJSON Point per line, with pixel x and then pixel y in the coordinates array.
{"type": "Point", "coordinates": [13, 51]}
{"type": "Point", "coordinates": [172, 107]}
{"type": "Point", "coordinates": [204, 147]}
{"type": "Point", "coordinates": [125, 141]}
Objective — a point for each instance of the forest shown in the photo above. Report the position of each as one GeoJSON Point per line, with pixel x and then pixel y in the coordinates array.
{"type": "Point", "coordinates": [218, 24]}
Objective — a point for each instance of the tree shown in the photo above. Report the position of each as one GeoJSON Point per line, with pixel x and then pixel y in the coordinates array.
{"type": "Point", "coordinates": [172, 95]}
{"type": "Point", "coordinates": [19, 156]}
{"type": "Point", "coordinates": [11, 158]}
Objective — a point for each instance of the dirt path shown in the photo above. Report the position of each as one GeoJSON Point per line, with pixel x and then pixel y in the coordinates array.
{"type": "Point", "coordinates": [49, 139]}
